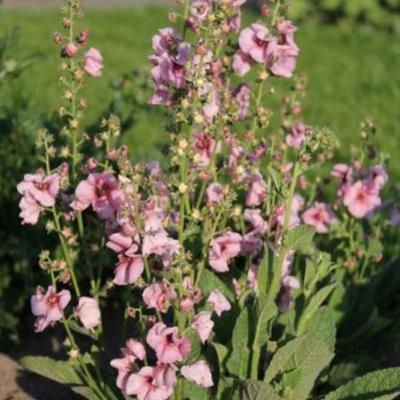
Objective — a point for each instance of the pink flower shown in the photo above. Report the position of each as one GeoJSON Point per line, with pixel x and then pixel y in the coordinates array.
{"type": "Point", "coordinates": [242, 97]}
{"type": "Point", "coordinates": [378, 177]}
{"type": "Point", "coordinates": [288, 283]}
{"type": "Point", "coordinates": [254, 41]}
{"type": "Point", "coordinates": [219, 302]}
{"type": "Point", "coordinates": [168, 346]}
{"type": "Point", "coordinates": [284, 60]}
{"type": "Point", "coordinates": [40, 188]}
{"type": "Point", "coordinates": [198, 372]}
{"type": "Point", "coordinates": [204, 146]}
{"type": "Point", "coordinates": [319, 215]}
{"type": "Point", "coordinates": [93, 62]}
{"type": "Point", "coordinates": [345, 174]}
{"type": "Point", "coordinates": [129, 268]}
{"type": "Point", "coordinates": [159, 296]}
{"type": "Point", "coordinates": [241, 63]}
{"type": "Point", "coordinates": [100, 191]}
{"type": "Point", "coordinates": [252, 276]}
{"type": "Point", "coordinates": [296, 138]}
{"type": "Point", "coordinates": [361, 198]}
{"type": "Point", "coordinates": [49, 307]}
{"type": "Point", "coordinates": [223, 249]}
{"type": "Point", "coordinates": [256, 220]}
{"type": "Point", "coordinates": [70, 49]}
{"type": "Point", "coordinates": [126, 365]}
{"type": "Point", "coordinates": [119, 242]}
{"type": "Point", "coordinates": [30, 210]}
{"type": "Point", "coordinates": [161, 245]}
{"type": "Point", "coordinates": [203, 325]}
{"type": "Point", "coordinates": [257, 191]}
{"type": "Point", "coordinates": [145, 386]}
{"type": "Point", "coordinates": [88, 312]}
{"type": "Point", "coordinates": [214, 194]}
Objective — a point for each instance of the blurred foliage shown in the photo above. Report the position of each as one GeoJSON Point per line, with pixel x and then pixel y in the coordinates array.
{"type": "Point", "coordinates": [380, 13]}
{"type": "Point", "coordinates": [18, 124]}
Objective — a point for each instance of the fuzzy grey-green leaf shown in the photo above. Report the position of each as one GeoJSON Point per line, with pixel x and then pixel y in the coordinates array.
{"type": "Point", "coordinates": [379, 385]}
{"type": "Point", "coordinates": [59, 371]}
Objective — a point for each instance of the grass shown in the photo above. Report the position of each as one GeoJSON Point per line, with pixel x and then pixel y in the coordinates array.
{"type": "Point", "coordinates": [352, 73]}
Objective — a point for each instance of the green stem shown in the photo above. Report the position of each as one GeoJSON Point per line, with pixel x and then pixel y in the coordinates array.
{"type": "Point", "coordinates": [275, 286]}
{"type": "Point", "coordinates": [67, 256]}
{"type": "Point", "coordinates": [255, 359]}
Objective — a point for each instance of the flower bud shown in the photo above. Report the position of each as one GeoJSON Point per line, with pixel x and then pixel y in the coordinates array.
{"type": "Point", "coordinates": [70, 50]}
{"type": "Point", "coordinates": [83, 37]}
{"type": "Point", "coordinates": [66, 22]}
{"type": "Point", "coordinates": [57, 38]}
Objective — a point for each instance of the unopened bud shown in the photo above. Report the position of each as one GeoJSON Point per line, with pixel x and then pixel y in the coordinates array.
{"type": "Point", "coordinates": [57, 38]}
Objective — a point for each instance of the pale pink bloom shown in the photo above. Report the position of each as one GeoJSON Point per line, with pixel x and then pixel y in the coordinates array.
{"type": "Point", "coordinates": [219, 302]}
{"type": "Point", "coordinates": [159, 296]}
{"type": "Point", "coordinates": [43, 189]}
{"type": "Point", "coordinates": [100, 191]}
{"type": "Point", "coordinates": [252, 276]}
{"type": "Point", "coordinates": [198, 372]}
{"type": "Point", "coordinates": [288, 283]}
{"type": "Point", "coordinates": [144, 385]}
{"type": "Point", "coordinates": [320, 215]}
{"type": "Point", "coordinates": [162, 245]}
{"type": "Point", "coordinates": [126, 365]}
{"type": "Point", "coordinates": [165, 375]}
{"type": "Point", "coordinates": [223, 249]}
{"type": "Point", "coordinates": [168, 346]}
{"type": "Point", "coordinates": [88, 312]}
{"type": "Point", "coordinates": [251, 242]}
{"type": "Point", "coordinates": [253, 216]}
{"type": "Point", "coordinates": [257, 191]}
{"type": "Point", "coordinates": [93, 62]}
{"type": "Point", "coordinates": [345, 174]}
{"type": "Point", "coordinates": [70, 49]}
{"type": "Point", "coordinates": [129, 268]}
{"type": "Point", "coordinates": [361, 198]}
{"type": "Point", "coordinates": [204, 146]}
{"type": "Point", "coordinates": [48, 307]}
{"type": "Point", "coordinates": [241, 63]}
{"type": "Point", "coordinates": [284, 58]}
{"type": "Point", "coordinates": [254, 41]}
{"type": "Point", "coordinates": [212, 106]}
{"type": "Point", "coordinates": [214, 194]}
{"type": "Point", "coordinates": [242, 97]}
{"type": "Point", "coordinates": [199, 11]}
{"type": "Point", "coordinates": [119, 242]}
{"type": "Point", "coordinates": [378, 177]}
{"type": "Point", "coordinates": [203, 325]}
{"type": "Point", "coordinates": [234, 3]}
{"type": "Point", "coordinates": [296, 138]}
{"type": "Point", "coordinates": [30, 210]}
{"type": "Point", "coordinates": [186, 304]}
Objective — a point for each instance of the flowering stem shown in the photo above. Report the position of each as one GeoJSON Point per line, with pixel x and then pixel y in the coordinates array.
{"type": "Point", "coordinates": [275, 285]}
{"type": "Point", "coordinates": [276, 12]}
{"type": "Point", "coordinates": [66, 253]}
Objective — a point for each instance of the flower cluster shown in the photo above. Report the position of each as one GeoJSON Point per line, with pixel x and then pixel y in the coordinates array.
{"type": "Point", "coordinates": [226, 226]}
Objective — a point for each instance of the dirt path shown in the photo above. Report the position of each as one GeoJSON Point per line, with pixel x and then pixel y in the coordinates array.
{"type": "Point", "coordinates": [85, 3]}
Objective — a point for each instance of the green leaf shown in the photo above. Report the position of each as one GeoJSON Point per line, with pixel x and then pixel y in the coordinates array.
{"type": "Point", "coordinates": [85, 392]}
{"type": "Point", "coordinates": [209, 281]}
{"type": "Point", "coordinates": [282, 357]}
{"type": "Point", "coordinates": [299, 238]}
{"type": "Point", "coordinates": [195, 346]}
{"type": "Point", "coordinates": [267, 311]}
{"type": "Point", "coordinates": [315, 303]}
{"type": "Point", "coordinates": [221, 352]}
{"type": "Point", "coordinates": [228, 389]}
{"type": "Point", "coordinates": [256, 390]}
{"type": "Point", "coordinates": [323, 327]}
{"type": "Point", "coordinates": [300, 361]}
{"type": "Point", "coordinates": [379, 385]}
{"type": "Point", "coordinates": [59, 371]}
{"type": "Point", "coordinates": [191, 391]}
{"type": "Point", "coordinates": [309, 360]}
{"type": "Point", "coordinates": [238, 362]}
